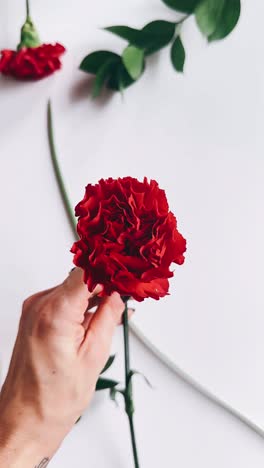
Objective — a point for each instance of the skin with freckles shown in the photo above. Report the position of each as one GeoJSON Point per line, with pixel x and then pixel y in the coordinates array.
{"type": "Point", "coordinates": [59, 353]}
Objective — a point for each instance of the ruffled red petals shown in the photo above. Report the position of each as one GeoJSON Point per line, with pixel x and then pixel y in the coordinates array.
{"type": "Point", "coordinates": [31, 63]}
{"type": "Point", "coordinates": [128, 238]}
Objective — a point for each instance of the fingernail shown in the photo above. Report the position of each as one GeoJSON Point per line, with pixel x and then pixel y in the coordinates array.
{"type": "Point", "coordinates": [98, 289]}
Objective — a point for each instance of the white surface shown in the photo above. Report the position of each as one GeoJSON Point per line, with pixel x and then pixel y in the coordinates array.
{"type": "Point", "coordinates": [201, 136]}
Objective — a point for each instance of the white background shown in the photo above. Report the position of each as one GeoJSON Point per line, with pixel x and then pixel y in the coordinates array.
{"type": "Point", "coordinates": [201, 136]}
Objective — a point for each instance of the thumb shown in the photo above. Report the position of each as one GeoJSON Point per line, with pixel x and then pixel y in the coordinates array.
{"type": "Point", "coordinates": [76, 295]}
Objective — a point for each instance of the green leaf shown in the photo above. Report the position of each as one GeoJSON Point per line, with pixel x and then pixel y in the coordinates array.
{"type": "Point", "coordinates": [208, 14]}
{"type": "Point", "coordinates": [216, 19]}
{"type": "Point", "coordinates": [160, 34]}
{"type": "Point", "coordinates": [185, 6]}
{"type": "Point", "coordinates": [139, 38]}
{"type": "Point", "coordinates": [116, 75]}
{"type": "Point", "coordinates": [151, 37]}
{"type": "Point", "coordinates": [120, 78]}
{"type": "Point", "coordinates": [108, 364]}
{"type": "Point", "coordinates": [92, 62]}
{"type": "Point", "coordinates": [134, 372]}
{"type": "Point", "coordinates": [133, 36]}
{"type": "Point", "coordinates": [230, 16]}
{"type": "Point", "coordinates": [133, 59]}
{"type": "Point", "coordinates": [103, 384]}
{"type": "Point", "coordinates": [102, 76]}
{"type": "Point", "coordinates": [113, 393]}
{"type": "Point", "coordinates": [178, 55]}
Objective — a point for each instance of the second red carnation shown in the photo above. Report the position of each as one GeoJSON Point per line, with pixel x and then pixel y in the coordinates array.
{"type": "Point", "coordinates": [32, 63]}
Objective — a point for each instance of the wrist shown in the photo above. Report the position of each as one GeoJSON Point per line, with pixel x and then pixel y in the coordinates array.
{"type": "Point", "coordinates": [20, 445]}
{"type": "Point", "coordinates": [26, 440]}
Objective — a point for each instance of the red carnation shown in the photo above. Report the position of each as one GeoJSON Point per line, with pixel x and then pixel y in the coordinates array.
{"type": "Point", "coordinates": [128, 238]}
{"type": "Point", "coordinates": [31, 63]}
{"type": "Point", "coordinates": [32, 60]}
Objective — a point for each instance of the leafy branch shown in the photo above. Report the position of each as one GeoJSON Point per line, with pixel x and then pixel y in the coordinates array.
{"type": "Point", "coordinates": [216, 19]}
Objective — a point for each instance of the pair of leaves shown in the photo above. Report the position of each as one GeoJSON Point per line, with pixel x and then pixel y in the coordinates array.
{"type": "Point", "coordinates": [151, 38]}
{"type": "Point", "coordinates": [217, 18]}
{"type": "Point", "coordinates": [143, 42]}
{"type": "Point", "coordinates": [127, 393]}
{"type": "Point", "coordinates": [103, 383]}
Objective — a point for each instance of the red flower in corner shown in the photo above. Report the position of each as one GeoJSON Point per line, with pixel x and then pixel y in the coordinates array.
{"type": "Point", "coordinates": [31, 63]}
{"type": "Point", "coordinates": [32, 60]}
{"type": "Point", "coordinates": [128, 238]}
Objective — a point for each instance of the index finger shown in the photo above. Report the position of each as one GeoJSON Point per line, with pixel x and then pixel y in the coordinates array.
{"type": "Point", "coordinates": [76, 294]}
{"type": "Point", "coordinates": [97, 342]}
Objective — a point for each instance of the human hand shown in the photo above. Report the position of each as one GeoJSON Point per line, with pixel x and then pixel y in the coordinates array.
{"type": "Point", "coordinates": [59, 353]}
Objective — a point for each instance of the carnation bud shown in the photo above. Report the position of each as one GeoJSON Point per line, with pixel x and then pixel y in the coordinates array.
{"type": "Point", "coordinates": [29, 35]}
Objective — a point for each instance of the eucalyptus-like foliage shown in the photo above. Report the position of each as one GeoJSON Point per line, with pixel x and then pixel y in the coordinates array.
{"type": "Point", "coordinates": [216, 19]}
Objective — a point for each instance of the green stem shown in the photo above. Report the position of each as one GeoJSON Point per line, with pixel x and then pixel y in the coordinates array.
{"type": "Point", "coordinates": [28, 9]}
{"type": "Point", "coordinates": [128, 394]}
{"type": "Point", "coordinates": [179, 24]}
{"type": "Point", "coordinates": [126, 344]}
{"type": "Point", "coordinates": [133, 440]}
{"type": "Point", "coordinates": [58, 175]}
{"type": "Point", "coordinates": [184, 19]}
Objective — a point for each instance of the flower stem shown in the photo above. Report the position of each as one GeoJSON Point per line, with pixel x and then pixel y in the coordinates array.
{"type": "Point", "coordinates": [133, 440]}
{"type": "Point", "coordinates": [58, 175]}
{"type": "Point", "coordinates": [184, 18]}
{"type": "Point", "coordinates": [28, 9]}
{"type": "Point", "coordinates": [128, 393]}
{"type": "Point", "coordinates": [126, 344]}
